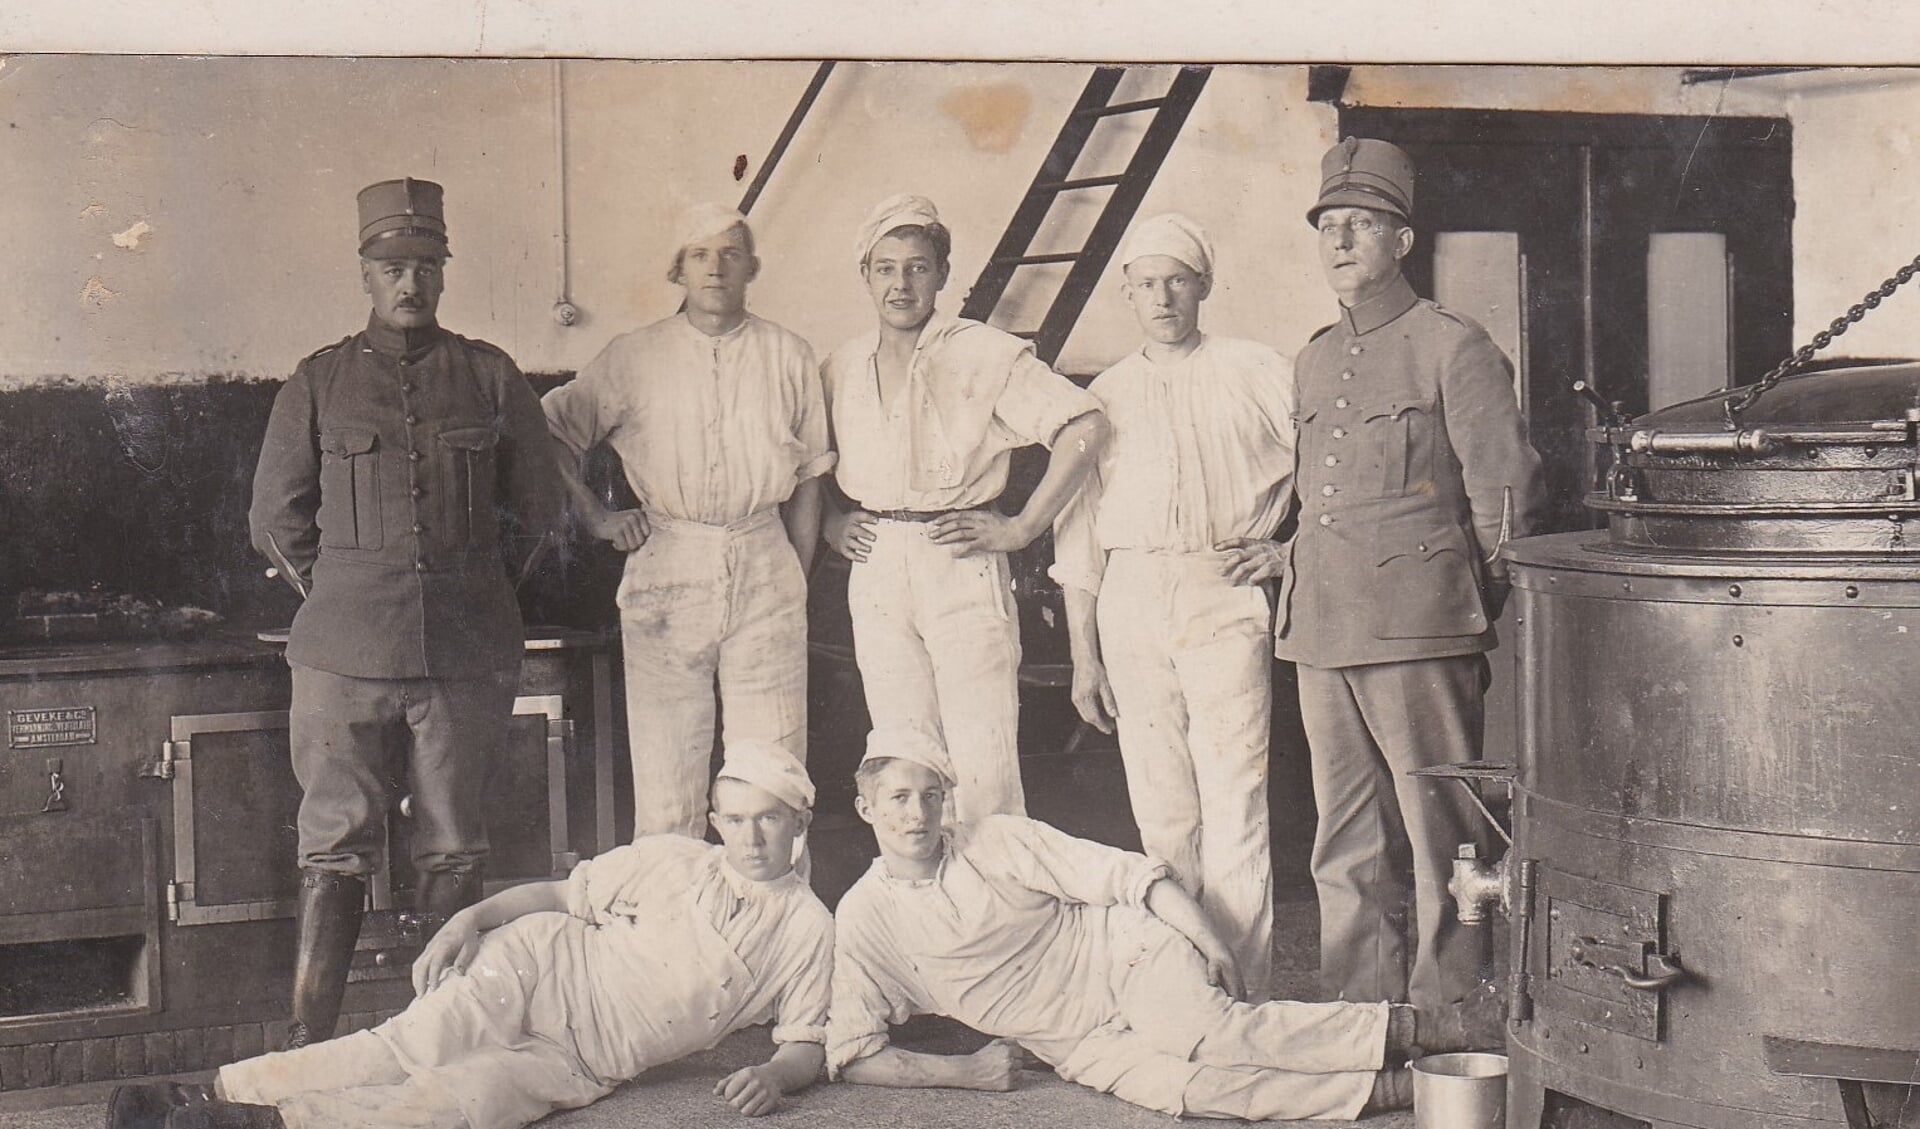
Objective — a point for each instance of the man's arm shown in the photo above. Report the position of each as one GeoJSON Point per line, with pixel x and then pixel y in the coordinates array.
{"type": "Point", "coordinates": [627, 530]}
{"type": "Point", "coordinates": [801, 513]}
{"type": "Point", "coordinates": [992, 1067]}
{"type": "Point", "coordinates": [1092, 692]}
{"type": "Point", "coordinates": [1076, 447]}
{"type": "Point", "coordinates": [453, 947]}
{"type": "Point", "coordinates": [755, 1090]}
{"type": "Point", "coordinates": [286, 486]}
{"type": "Point", "coordinates": [1173, 905]}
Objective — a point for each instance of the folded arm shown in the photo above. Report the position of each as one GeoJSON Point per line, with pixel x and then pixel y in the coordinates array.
{"type": "Point", "coordinates": [755, 1090]}
{"type": "Point", "coordinates": [992, 1067]}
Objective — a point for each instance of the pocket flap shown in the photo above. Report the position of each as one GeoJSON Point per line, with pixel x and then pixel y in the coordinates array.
{"type": "Point", "coordinates": [1423, 546]}
{"type": "Point", "coordinates": [1394, 409]}
{"type": "Point", "coordinates": [346, 441]}
{"type": "Point", "coordinates": [469, 438]}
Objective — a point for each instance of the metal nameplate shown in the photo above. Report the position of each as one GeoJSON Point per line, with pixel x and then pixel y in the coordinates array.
{"type": "Point", "coordinates": [39, 729]}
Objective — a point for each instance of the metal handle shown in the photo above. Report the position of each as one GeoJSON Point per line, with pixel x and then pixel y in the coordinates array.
{"type": "Point", "coordinates": [1752, 441]}
{"type": "Point", "coordinates": [1663, 971]}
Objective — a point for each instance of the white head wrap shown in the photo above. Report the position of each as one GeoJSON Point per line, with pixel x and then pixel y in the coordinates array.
{"type": "Point", "coordinates": [909, 743]}
{"type": "Point", "coordinates": [703, 221]}
{"type": "Point", "coordinates": [895, 211]}
{"type": "Point", "coordinates": [1173, 235]}
{"type": "Point", "coordinates": [770, 768]}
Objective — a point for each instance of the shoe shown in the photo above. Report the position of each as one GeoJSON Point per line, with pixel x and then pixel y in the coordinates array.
{"type": "Point", "coordinates": [225, 1115]}
{"type": "Point", "coordinates": [330, 909]}
{"type": "Point", "coordinates": [146, 1106]}
{"type": "Point", "coordinates": [1392, 1089]}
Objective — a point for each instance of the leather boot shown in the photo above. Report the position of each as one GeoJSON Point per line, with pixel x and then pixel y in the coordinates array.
{"type": "Point", "coordinates": [330, 909]}
{"type": "Point", "coordinates": [442, 893]}
{"type": "Point", "coordinates": [225, 1115]}
{"type": "Point", "coordinates": [146, 1106]}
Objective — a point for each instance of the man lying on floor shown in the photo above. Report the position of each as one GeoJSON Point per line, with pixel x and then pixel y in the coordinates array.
{"type": "Point", "coordinates": [1090, 957]}
{"type": "Point", "coordinates": [547, 996]}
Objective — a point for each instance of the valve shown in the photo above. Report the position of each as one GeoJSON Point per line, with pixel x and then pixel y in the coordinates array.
{"type": "Point", "coordinates": [1478, 885]}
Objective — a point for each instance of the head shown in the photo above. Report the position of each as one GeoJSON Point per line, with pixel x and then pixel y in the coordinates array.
{"type": "Point", "coordinates": [1364, 216]}
{"type": "Point", "coordinates": [1168, 264]}
{"type": "Point", "coordinates": [905, 803]}
{"type": "Point", "coordinates": [403, 250]}
{"type": "Point", "coordinates": [405, 291]}
{"type": "Point", "coordinates": [715, 269]}
{"type": "Point", "coordinates": [757, 828]}
{"type": "Point", "coordinates": [905, 270]}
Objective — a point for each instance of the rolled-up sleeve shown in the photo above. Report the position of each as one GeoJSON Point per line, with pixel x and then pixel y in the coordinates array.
{"type": "Point", "coordinates": [868, 992]}
{"type": "Point", "coordinates": [810, 426]}
{"type": "Point", "coordinates": [1078, 560]}
{"type": "Point", "coordinates": [800, 1013]}
{"type": "Point", "coordinates": [286, 484]}
{"type": "Point", "coordinates": [574, 412]}
{"type": "Point", "coordinates": [1037, 401]}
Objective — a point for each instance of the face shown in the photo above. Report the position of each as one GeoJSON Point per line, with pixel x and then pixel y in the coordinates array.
{"type": "Point", "coordinates": [904, 806]}
{"type": "Point", "coordinates": [1360, 250]}
{"type": "Point", "coordinates": [405, 292]}
{"type": "Point", "coordinates": [1165, 294]}
{"type": "Point", "coordinates": [716, 270]}
{"type": "Point", "coordinates": [902, 278]}
{"type": "Point", "coordinates": [756, 827]}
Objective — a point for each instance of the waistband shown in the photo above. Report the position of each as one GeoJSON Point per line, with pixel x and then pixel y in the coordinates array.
{"type": "Point", "coordinates": [917, 515]}
{"type": "Point", "coordinates": [758, 519]}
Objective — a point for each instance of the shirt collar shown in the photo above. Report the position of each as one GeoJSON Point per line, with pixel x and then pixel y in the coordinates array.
{"type": "Point", "coordinates": [751, 889]}
{"type": "Point", "coordinates": [940, 872]}
{"type": "Point", "coordinates": [395, 342]}
{"type": "Point", "coordinates": [687, 324]}
{"type": "Point", "coordinates": [1380, 309]}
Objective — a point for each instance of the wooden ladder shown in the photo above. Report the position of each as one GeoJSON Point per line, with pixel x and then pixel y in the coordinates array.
{"type": "Point", "coordinates": [1055, 179]}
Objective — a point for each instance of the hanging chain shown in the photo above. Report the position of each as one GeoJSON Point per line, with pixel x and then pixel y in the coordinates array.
{"type": "Point", "coordinates": [1734, 405]}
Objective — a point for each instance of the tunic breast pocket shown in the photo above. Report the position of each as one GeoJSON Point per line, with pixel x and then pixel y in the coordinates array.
{"type": "Point", "coordinates": [468, 455]}
{"type": "Point", "coordinates": [1397, 437]}
{"type": "Point", "coordinates": [349, 488]}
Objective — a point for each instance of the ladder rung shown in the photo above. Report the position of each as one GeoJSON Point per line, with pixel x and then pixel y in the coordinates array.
{"type": "Point", "coordinates": [1037, 260]}
{"type": "Point", "coordinates": [1121, 108]}
{"type": "Point", "coordinates": [1083, 182]}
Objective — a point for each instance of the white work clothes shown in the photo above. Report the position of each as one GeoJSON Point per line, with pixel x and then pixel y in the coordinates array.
{"type": "Point", "coordinates": [664, 951]}
{"type": "Point", "coordinates": [1202, 452]}
{"type": "Point", "coordinates": [937, 636]}
{"type": "Point", "coordinates": [714, 433]}
{"type": "Point", "coordinates": [937, 639]}
{"type": "Point", "coordinates": [708, 429]}
{"type": "Point", "coordinates": [1030, 934]}
{"type": "Point", "coordinates": [700, 602]}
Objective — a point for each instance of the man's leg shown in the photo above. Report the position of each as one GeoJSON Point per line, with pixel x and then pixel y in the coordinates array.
{"type": "Point", "coordinates": [671, 601]}
{"type": "Point", "coordinates": [1227, 674]}
{"type": "Point", "coordinates": [1358, 847]}
{"type": "Point", "coordinates": [1425, 713]}
{"type": "Point", "coordinates": [340, 729]}
{"type": "Point", "coordinates": [1135, 635]}
{"type": "Point", "coordinates": [895, 672]}
{"type": "Point", "coordinates": [763, 653]}
{"type": "Point", "coordinates": [1119, 1062]}
{"type": "Point", "coordinates": [965, 611]}
{"type": "Point", "coordinates": [359, 1059]}
{"type": "Point", "coordinates": [458, 725]}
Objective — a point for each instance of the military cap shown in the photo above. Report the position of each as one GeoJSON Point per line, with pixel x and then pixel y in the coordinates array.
{"type": "Point", "coordinates": [403, 219]}
{"type": "Point", "coordinates": [1361, 172]}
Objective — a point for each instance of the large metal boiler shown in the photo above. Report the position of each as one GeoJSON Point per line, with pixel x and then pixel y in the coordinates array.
{"type": "Point", "coordinates": [1715, 879]}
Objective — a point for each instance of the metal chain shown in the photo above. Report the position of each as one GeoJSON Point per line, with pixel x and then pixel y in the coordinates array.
{"type": "Point", "coordinates": [1736, 404]}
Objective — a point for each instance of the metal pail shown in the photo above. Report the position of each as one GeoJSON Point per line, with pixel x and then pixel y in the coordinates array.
{"type": "Point", "coordinates": [1460, 1091]}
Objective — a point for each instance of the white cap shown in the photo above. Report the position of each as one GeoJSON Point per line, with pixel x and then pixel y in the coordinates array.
{"type": "Point", "coordinates": [1173, 235]}
{"type": "Point", "coordinates": [895, 211]}
{"type": "Point", "coordinates": [909, 743]}
{"type": "Point", "coordinates": [770, 768]}
{"type": "Point", "coordinates": [703, 221]}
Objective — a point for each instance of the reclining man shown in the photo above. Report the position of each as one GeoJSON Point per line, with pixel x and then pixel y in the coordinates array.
{"type": "Point", "coordinates": [1092, 958]}
{"type": "Point", "coordinates": [547, 996]}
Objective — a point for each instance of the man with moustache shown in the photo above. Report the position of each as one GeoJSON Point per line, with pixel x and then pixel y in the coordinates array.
{"type": "Point", "coordinates": [387, 462]}
{"type": "Point", "coordinates": [1412, 467]}
{"type": "Point", "coordinates": [718, 420]}
{"type": "Point", "coordinates": [927, 411]}
{"type": "Point", "coordinates": [1161, 560]}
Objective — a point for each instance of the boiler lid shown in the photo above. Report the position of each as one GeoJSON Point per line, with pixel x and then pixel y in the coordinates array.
{"type": "Point", "coordinates": [1848, 395]}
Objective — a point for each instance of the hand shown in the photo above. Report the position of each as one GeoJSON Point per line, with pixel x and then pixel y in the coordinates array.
{"type": "Point", "coordinates": [449, 953]}
{"type": "Point", "coordinates": [627, 529]}
{"type": "Point", "coordinates": [1251, 561]}
{"type": "Point", "coordinates": [753, 1090]}
{"type": "Point", "coordinates": [1093, 695]}
{"type": "Point", "coordinates": [850, 534]}
{"type": "Point", "coordinates": [979, 531]}
{"type": "Point", "coordinates": [1223, 972]}
{"type": "Point", "coordinates": [997, 1065]}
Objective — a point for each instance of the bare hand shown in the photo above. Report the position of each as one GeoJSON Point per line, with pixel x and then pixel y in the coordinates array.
{"type": "Point", "coordinates": [1093, 695]}
{"type": "Point", "coordinates": [1223, 972]}
{"type": "Point", "coordinates": [997, 1065]}
{"type": "Point", "coordinates": [1250, 561]}
{"type": "Point", "coordinates": [753, 1090]}
{"type": "Point", "coordinates": [850, 534]}
{"type": "Point", "coordinates": [979, 531]}
{"type": "Point", "coordinates": [626, 529]}
{"type": "Point", "coordinates": [448, 954]}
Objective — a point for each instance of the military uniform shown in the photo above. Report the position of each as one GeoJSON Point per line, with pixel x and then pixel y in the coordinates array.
{"type": "Point", "coordinates": [388, 464]}
{"type": "Point", "coordinates": [1411, 460]}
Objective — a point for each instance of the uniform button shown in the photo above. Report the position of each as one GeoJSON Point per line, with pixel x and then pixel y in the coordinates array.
{"type": "Point", "coordinates": [416, 492]}
{"type": "Point", "coordinates": [414, 456]}
{"type": "Point", "coordinates": [420, 566]}
{"type": "Point", "coordinates": [1329, 490]}
{"type": "Point", "coordinates": [1341, 402]}
{"type": "Point", "coordinates": [411, 420]}
{"type": "Point", "coordinates": [1332, 461]}
{"type": "Point", "coordinates": [1339, 433]}
{"type": "Point", "coordinates": [418, 528]}
{"type": "Point", "coordinates": [1347, 375]}
{"type": "Point", "coordinates": [1419, 548]}
{"type": "Point", "coordinates": [407, 387]}
{"type": "Point", "coordinates": [1355, 350]}
{"type": "Point", "coordinates": [1326, 519]}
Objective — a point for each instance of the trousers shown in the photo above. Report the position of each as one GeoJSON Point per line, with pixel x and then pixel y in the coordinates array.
{"type": "Point", "coordinates": [701, 604]}
{"type": "Point", "coordinates": [344, 731]}
{"type": "Point", "coordinates": [1190, 658]}
{"type": "Point", "coordinates": [937, 640]}
{"type": "Point", "coordinates": [1384, 834]}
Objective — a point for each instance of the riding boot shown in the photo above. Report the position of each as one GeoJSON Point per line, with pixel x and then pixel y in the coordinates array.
{"type": "Point", "coordinates": [443, 893]}
{"type": "Point", "coordinates": [225, 1115]}
{"type": "Point", "coordinates": [331, 906]}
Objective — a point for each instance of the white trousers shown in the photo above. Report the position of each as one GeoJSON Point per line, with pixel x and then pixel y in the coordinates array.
{"type": "Point", "coordinates": [700, 603]}
{"type": "Point", "coordinates": [1189, 655]}
{"type": "Point", "coordinates": [937, 638]}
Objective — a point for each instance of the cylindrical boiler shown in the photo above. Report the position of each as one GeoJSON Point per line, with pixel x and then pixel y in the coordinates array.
{"type": "Point", "coordinates": [1716, 869]}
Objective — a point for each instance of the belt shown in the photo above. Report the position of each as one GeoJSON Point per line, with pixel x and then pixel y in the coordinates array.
{"type": "Point", "coordinates": [917, 515]}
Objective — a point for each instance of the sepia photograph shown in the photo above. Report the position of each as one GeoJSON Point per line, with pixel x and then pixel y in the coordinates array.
{"type": "Point", "coordinates": [668, 579]}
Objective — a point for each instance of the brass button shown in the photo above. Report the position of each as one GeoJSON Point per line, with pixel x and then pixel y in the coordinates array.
{"type": "Point", "coordinates": [418, 528]}
{"type": "Point", "coordinates": [1332, 461]}
{"type": "Point", "coordinates": [1326, 519]}
{"type": "Point", "coordinates": [1341, 402]}
{"type": "Point", "coordinates": [416, 492]}
{"type": "Point", "coordinates": [1339, 433]}
{"type": "Point", "coordinates": [1355, 350]}
{"type": "Point", "coordinates": [1419, 548]}
{"type": "Point", "coordinates": [1329, 490]}
{"type": "Point", "coordinates": [407, 387]}
{"type": "Point", "coordinates": [415, 456]}
{"type": "Point", "coordinates": [411, 420]}
{"type": "Point", "coordinates": [419, 566]}
{"type": "Point", "coordinates": [1347, 375]}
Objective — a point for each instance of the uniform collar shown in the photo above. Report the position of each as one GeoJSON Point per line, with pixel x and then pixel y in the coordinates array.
{"type": "Point", "coordinates": [1379, 310]}
{"type": "Point", "coordinates": [408, 343]}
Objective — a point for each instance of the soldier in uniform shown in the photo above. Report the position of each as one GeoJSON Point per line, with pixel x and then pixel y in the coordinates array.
{"type": "Point", "coordinates": [389, 461]}
{"type": "Point", "coordinates": [1412, 464]}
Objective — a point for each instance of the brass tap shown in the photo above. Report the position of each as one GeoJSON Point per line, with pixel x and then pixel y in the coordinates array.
{"type": "Point", "coordinates": [1476, 885]}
